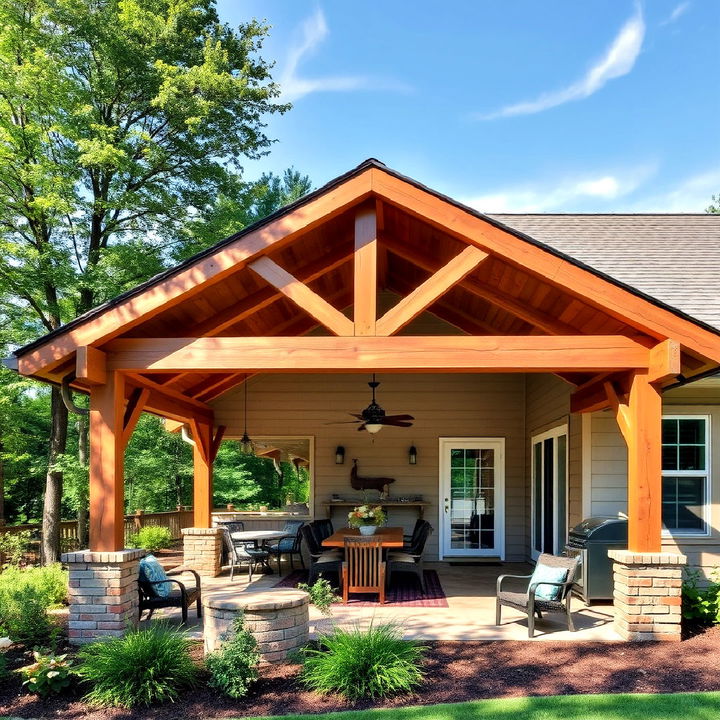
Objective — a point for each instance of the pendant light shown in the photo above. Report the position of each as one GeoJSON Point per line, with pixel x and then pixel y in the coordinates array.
{"type": "Point", "coordinates": [246, 444]}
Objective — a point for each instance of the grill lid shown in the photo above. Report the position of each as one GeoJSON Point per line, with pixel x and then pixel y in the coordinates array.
{"type": "Point", "coordinates": [599, 529]}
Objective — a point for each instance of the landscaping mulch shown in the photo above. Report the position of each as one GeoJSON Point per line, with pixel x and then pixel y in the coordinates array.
{"type": "Point", "coordinates": [456, 671]}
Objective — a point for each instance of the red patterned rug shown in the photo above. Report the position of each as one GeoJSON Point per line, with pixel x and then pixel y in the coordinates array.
{"type": "Point", "coordinates": [405, 590]}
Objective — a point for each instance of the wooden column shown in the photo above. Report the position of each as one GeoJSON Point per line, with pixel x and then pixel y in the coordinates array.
{"type": "Point", "coordinates": [204, 453]}
{"type": "Point", "coordinates": [365, 274]}
{"type": "Point", "coordinates": [107, 406]}
{"type": "Point", "coordinates": [640, 421]}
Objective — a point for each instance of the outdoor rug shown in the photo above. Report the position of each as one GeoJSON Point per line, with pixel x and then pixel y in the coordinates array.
{"type": "Point", "coordinates": [404, 593]}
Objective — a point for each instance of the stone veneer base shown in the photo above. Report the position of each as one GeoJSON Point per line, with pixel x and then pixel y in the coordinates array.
{"type": "Point", "coordinates": [278, 619]}
{"type": "Point", "coordinates": [648, 594]}
{"type": "Point", "coordinates": [202, 550]}
{"type": "Point", "coordinates": [103, 593]}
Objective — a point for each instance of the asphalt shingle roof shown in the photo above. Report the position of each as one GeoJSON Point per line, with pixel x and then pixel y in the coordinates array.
{"type": "Point", "coordinates": [673, 258]}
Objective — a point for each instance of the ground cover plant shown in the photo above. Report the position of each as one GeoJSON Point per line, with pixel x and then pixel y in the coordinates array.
{"type": "Point", "coordinates": [152, 538]}
{"type": "Point", "coordinates": [145, 667]}
{"type": "Point", "coordinates": [233, 668]}
{"type": "Point", "coordinates": [358, 664]}
{"type": "Point", "coordinates": [701, 604]}
{"type": "Point", "coordinates": [49, 674]}
{"type": "Point", "coordinates": [322, 595]}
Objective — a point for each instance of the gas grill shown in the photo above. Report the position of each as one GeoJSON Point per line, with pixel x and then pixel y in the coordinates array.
{"type": "Point", "coordinates": [592, 539]}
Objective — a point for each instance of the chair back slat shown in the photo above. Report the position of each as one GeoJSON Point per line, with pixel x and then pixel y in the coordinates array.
{"type": "Point", "coordinates": [363, 556]}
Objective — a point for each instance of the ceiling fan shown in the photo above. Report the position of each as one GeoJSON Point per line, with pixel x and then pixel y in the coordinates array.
{"type": "Point", "coordinates": [373, 417]}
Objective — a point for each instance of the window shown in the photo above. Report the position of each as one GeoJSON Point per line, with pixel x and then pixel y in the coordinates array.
{"type": "Point", "coordinates": [686, 473]}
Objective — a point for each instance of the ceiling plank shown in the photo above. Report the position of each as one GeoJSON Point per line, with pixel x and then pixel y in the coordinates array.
{"type": "Point", "coordinates": [429, 291]}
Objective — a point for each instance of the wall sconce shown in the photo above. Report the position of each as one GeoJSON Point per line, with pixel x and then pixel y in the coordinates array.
{"type": "Point", "coordinates": [412, 455]}
{"type": "Point", "coordinates": [339, 455]}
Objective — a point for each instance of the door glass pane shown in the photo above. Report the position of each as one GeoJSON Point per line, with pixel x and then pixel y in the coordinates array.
{"type": "Point", "coordinates": [562, 491]}
{"type": "Point", "coordinates": [547, 495]}
{"type": "Point", "coordinates": [537, 489]}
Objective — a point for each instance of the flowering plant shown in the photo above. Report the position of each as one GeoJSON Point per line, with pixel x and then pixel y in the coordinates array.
{"type": "Point", "coordinates": [366, 515]}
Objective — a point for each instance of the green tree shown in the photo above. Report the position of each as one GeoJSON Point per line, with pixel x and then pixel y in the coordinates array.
{"type": "Point", "coordinates": [714, 206]}
{"type": "Point", "coordinates": [118, 120]}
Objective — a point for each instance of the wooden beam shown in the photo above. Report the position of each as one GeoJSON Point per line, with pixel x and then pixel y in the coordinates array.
{"type": "Point", "coordinates": [665, 362]}
{"type": "Point", "coordinates": [537, 353]}
{"type": "Point", "coordinates": [90, 365]}
{"type": "Point", "coordinates": [202, 475]}
{"type": "Point", "coordinates": [217, 439]}
{"type": "Point", "coordinates": [365, 271]}
{"type": "Point", "coordinates": [622, 411]}
{"type": "Point", "coordinates": [203, 440]}
{"type": "Point", "coordinates": [515, 307]}
{"type": "Point", "coordinates": [171, 404]}
{"type": "Point", "coordinates": [616, 301]}
{"type": "Point", "coordinates": [135, 407]}
{"type": "Point", "coordinates": [428, 292]}
{"type": "Point", "coordinates": [188, 281]}
{"type": "Point", "coordinates": [221, 388]}
{"type": "Point", "coordinates": [302, 296]}
{"type": "Point", "coordinates": [107, 499]}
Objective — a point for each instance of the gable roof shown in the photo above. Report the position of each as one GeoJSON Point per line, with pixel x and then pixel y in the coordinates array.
{"type": "Point", "coordinates": [674, 258]}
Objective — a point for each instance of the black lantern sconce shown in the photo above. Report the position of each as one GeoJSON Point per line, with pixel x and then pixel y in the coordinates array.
{"type": "Point", "coordinates": [339, 455]}
{"type": "Point", "coordinates": [412, 455]}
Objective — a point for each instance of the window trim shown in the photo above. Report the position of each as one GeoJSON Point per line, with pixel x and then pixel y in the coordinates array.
{"type": "Point", "coordinates": [707, 505]}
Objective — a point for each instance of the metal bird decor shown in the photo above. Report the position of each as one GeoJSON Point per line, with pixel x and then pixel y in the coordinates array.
{"type": "Point", "coordinates": [368, 483]}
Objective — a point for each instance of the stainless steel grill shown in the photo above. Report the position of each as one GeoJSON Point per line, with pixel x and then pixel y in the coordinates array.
{"type": "Point", "coordinates": [592, 539]}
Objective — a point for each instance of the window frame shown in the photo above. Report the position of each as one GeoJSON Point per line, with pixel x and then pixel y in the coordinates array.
{"type": "Point", "coordinates": [707, 473]}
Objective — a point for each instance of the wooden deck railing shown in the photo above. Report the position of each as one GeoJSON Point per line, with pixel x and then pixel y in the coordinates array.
{"type": "Point", "coordinates": [174, 520]}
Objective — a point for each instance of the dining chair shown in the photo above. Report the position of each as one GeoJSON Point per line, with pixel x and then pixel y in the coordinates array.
{"type": "Point", "coordinates": [289, 545]}
{"type": "Point", "coordinates": [410, 560]}
{"type": "Point", "coordinates": [321, 560]}
{"type": "Point", "coordinates": [243, 554]}
{"type": "Point", "coordinates": [363, 570]}
{"type": "Point", "coordinates": [322, 529]}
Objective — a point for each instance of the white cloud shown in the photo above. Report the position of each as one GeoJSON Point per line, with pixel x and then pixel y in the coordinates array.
{"type": "Point", "coordinates": [677, 12]}
{"type": "Point", "coordinates": [314, 31]}
{"type": "Point", "coordinates": [617, 61]}
{"type": "Point", "coordinates": [588, 194]}
{"type": "Point", "coordinates": [693, 194]}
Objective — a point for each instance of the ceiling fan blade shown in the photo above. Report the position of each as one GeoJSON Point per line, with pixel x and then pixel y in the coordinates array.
{"type": "Point", "coordinates": [398, 417]}
{"type": "Point", "coordinates": [397, 423]}
{"type": "Point", "coordinates": [343, 422]}
{"type": "Point", "coordinates": [356, 415]}
{"type": "Point", "coordinates": [362, 427]}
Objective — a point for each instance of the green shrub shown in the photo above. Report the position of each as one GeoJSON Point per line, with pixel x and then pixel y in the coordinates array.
{"type": "Point", "coordinates": [701, 604]}
{"type": "Point", "coordinates": [13, 547]}
{"type": "Point", "coordinates": [49, 674]}
{"type": "Point", "coordinates": [233, 668]}
{"type": "Point", "coordinates": [50, 583]}
{"type": "Point", "coordinates": [152, 538]}
{"type": "Point", "coordinates": [24, 618]}
{"type": "Point", "coordinates": [322, 595]}
{"type": "Point", "coordinates": [144, 667]}
{"type": "Point", "coordinates": [358, 664]}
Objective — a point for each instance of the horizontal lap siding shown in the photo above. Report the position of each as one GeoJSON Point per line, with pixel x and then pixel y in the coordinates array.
{"type": "Point", "coordinates": [455, 405]}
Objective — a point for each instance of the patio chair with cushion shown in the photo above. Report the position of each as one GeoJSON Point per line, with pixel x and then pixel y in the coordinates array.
{"type": "Point", "coordinates": [290, 545]}
{"type": "Point", "coordinates": [322, 529]}
{"type": "Point", "coordinates": [159, 589]}
{"type": "Point", "coordinates": [549, 590]}
{"type": "Point", "coordinates": [363, 570]}
{"type": "Point", "coordinates": [321, 560]}
{"type": "Point", "coordinates": [409, 539]}
{"type": "Point", "coordinates": [243, 553]}
{"type": "Point", "coordinates": [411, 560]}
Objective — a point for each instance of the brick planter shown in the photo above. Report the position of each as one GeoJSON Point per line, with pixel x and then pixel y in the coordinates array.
{"type": "Point", "coordinates": [648, 595]}
{"type": "Point", "coordinates": [202, 550]}
{"type": "Point", "coordinates": [103, 593]}
{"type": "Point", "coordinates": [278, 619]}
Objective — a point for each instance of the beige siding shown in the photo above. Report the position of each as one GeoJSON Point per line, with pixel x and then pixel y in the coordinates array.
{"type": "Point", "coordinates": [609, 467]}
{"type": "Point", "coordinates": [454, 405]}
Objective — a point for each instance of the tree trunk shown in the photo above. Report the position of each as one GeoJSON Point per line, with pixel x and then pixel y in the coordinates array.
{"type": "Point", "coordinates": [83, 459]}
{"type": "Point", "coordinates": [2, 486]}
{"type": "Point", "coordinates": [54, 480]}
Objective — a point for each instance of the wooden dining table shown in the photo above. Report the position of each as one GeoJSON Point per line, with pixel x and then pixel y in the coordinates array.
{"type": "Point", "coordinates": [392, 537]}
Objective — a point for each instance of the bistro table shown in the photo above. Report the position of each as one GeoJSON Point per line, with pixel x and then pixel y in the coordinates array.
{"type": "Point", "coordinates": [392, 537]}
{"type": "Point", "coordinates": [259, 537]}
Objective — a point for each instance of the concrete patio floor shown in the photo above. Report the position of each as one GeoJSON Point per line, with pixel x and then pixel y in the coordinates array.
{"type": "Point", "coordinates": [470, 614]}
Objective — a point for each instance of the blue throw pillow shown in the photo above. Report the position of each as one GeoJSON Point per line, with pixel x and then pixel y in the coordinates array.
{"type": "Point", "coordinates": [151, 570]}
{"type": "Point", "coordinates": [548, 574]}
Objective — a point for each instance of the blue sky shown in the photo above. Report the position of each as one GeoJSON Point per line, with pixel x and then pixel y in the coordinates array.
{"type": "Point", "coordinates": [517, 105]}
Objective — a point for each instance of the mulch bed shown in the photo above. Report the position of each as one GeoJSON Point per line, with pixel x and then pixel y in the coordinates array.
{"type": "Point", "coordinates": [456, 671]}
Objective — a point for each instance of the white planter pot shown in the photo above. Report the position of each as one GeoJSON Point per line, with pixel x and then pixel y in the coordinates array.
{"type": "Point", "coordinates": [368, 529]}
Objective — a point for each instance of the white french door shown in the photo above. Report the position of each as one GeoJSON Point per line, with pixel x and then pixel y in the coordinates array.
{"type": "Point", "coordinates": [472, 487]}
{"type": "Point", "coordinates": [549, 491]}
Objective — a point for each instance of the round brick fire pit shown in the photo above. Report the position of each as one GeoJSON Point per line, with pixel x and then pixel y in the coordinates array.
{"type": "Point", "coordinates": [278, 619]}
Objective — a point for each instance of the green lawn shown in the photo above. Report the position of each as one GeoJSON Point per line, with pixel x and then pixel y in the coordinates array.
{"type": "Point", "coordinates": [683, 706]}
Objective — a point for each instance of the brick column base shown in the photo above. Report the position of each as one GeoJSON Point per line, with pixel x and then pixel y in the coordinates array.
{"type": "Point", "coordinates": [103, 593]}
{"type": "Point", "coordinates": [202, 550]}
{"type": "Point", "coordinates": [647, 595]}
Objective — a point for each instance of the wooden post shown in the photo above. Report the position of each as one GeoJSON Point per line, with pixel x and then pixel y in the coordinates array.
{"type": "Point", "coordinates": [365, 273]}
{"type": "Point", "coordinates": [107, 521]}
{"type": "Point", "coordinates": [640, 421]}
{"type": "Point", "coordinates": [202, 486]}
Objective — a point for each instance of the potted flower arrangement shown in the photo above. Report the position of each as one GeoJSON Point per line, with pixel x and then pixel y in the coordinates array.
{"type": "Point", "coordinates": [366, 518]}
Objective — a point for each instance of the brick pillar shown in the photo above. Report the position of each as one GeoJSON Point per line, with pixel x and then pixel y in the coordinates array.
{"type": "Point", "coordinates": [202, 550]}
{"type": "Point", "coordinates": [103, 593]}
{"type": "Point", "coordinates": [647, 595]}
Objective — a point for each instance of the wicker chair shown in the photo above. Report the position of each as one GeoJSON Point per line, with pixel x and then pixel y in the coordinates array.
{"type": "Point", "coordinates": [363, 570]}
{"type": "Point", "coordinates": [183, 596]}
{"type": "Point", "coordinates": [528, 603]}
{"type": "Point", "coordinates": [411, 560]}
{"type": "Point", "coordinates": [409, 540]}
{"type": "Point", "coordinates": [290, 545]}
{"type": "Point", "coordinates": [322, 529]}
{"type": "Point", "coordinates": [321, 560]}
